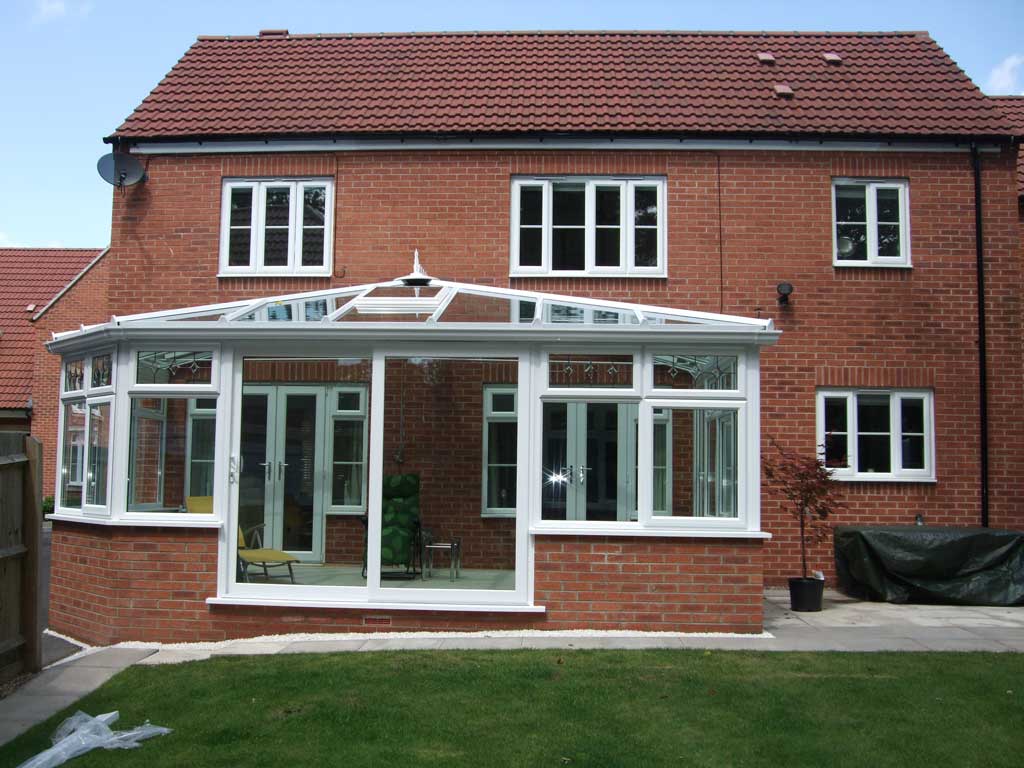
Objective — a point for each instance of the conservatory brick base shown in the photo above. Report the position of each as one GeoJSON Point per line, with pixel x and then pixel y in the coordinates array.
{"type": "Point", "coordinates": [110, 584]}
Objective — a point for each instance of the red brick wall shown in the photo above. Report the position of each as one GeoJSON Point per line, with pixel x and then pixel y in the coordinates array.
{"type": "Point", "coordinates": [113, 584]}
{"type": "Point", "coordinates": [844, 327]}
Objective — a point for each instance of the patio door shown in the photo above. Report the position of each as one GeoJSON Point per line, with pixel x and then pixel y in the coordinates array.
{"type": "Point", "coordinates": [282, 475]}
{"type": "Point", "coordinates": [589, 461]}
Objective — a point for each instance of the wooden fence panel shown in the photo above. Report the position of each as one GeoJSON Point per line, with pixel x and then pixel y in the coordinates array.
{"type": "Point", "coordinates": [20, 537]}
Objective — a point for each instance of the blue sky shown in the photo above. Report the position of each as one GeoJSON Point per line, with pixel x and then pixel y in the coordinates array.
{"type": "Point", "coordinates": [73, 69]}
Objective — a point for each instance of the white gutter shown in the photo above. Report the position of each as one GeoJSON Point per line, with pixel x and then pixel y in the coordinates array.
{"type": "Point", "coordinates": [232, 146]}
{"type": "Point", "coordinates": [298, 332]}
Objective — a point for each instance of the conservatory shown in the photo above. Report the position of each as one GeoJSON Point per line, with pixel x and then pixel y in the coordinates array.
{"type": "Point", "coordinates": [405, 444]}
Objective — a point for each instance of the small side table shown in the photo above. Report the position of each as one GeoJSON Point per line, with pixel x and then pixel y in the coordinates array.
{"type": "Point", "coordinates": [454, 550]}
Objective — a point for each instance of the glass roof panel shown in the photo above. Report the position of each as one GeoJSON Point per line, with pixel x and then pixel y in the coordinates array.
{"type": "Point", "coordinates": [585, 314]}
{"type": "Point", "coordinates": [354, 315]}
{"type": "Point", "coordinates": [404, 292]}
{"type": "Point", "coordinates": [470, 307]}
{"type": "Point", "coordinates": [657, 318]}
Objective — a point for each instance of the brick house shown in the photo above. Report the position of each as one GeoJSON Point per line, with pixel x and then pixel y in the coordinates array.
{"type": "Point", "coordinates": [643, 256]}
{"type": "Point", "coordinates": [32, 279]}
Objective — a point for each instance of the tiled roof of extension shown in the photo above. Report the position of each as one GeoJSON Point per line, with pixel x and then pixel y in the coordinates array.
{"type": "Point", "coordinates": [29, 277]}
{"type": "Point", "coordinates": [1013, 108]}
{"type": "Point", "coordinates": [693, 83]}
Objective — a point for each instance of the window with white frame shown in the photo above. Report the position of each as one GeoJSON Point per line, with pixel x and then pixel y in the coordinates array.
{"type": "Point", "coordinates": [588, 226]}
{"type": "Point", "coordinates": [276, 226]}
{"type": "Point", "coordinates": [348, 448]}
{"type": "Point", "coordinates": [500, 441]}
{"type": "Point", "coordinates": [202, 429]}
{"type": "Point", "coordinates": [171, 454]}
{"type": "Point", "coordinates": [86, 422]}
{"type": "Point", "coordinates": [870, 220]}
{"type": "Point", "coordinates": [877, 434]}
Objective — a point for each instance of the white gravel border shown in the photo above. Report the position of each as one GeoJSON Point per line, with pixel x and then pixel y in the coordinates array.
{"type": "Point", "coordinates": [326, 637]}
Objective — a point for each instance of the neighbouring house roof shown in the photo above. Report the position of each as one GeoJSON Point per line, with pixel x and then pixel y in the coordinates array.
{"type": "Point", "coordinates": [29, 278]}
{"type": "Point", "coordinates": [693, 83]}
{"type": "Point", "coordinates": [1013, 108]}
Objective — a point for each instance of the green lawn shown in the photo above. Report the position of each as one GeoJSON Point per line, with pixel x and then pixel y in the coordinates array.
{"type": "Point", "coordinates": [577, 708]}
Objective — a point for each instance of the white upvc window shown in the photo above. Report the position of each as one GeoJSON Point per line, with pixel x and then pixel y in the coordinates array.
{"type": "Point", "coordinates": [870, 223]}
{"type": "Point", "coordinates": [277, 227]}
{"type": "Point", "coordinates": [199, 446]}
{"type": "Point", "coordinates": [588, 226]}
{"type": "Point", "coordinates": [873, 434]}
{"type": "Point", "coordinates": [86, 419]}
{"type": "Point", "coordinates": [500, 441]}
{"type": "Point", "coordinates": [347, 449]}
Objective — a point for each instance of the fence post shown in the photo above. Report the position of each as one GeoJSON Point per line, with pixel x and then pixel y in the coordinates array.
{"type": "Point", "coordinates": [32, 524]}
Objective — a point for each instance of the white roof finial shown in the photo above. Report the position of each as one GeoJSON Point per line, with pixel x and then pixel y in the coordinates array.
{"type": "Point", "coordinates": [418, 276]}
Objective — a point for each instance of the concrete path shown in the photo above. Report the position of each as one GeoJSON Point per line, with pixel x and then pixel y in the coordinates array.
{"type": "Point", "coordinates": [844, 625]}
{"type": "Point", "coordinates": [60, 686]}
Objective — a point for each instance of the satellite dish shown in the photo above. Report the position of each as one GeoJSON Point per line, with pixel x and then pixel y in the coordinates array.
{"type": "Point", "coordinates": [120, 169]}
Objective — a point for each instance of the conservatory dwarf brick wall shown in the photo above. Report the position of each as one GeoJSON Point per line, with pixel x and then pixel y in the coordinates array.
{"type": "Point", "coordinates": [738, 223]}
{"type": "Point", "coordinates": [111, 584]}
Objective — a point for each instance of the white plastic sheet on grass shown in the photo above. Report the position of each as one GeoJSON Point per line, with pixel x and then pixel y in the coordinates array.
{"type": "Point", "coordinates": [83, 733]}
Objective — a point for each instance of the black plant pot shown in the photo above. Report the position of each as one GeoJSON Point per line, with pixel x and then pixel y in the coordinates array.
{"type": "Point", "coordinates": [806, 594]}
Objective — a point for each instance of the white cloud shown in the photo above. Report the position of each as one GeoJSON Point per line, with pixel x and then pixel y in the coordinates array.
{"type": "Point", "coordinates": [1005, 78]}
{"type": "Point", "coordinates": [52, 10]}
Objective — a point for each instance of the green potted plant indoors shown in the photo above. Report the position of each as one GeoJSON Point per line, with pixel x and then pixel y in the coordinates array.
{"type": "Point", "coordinates": [811, 496]}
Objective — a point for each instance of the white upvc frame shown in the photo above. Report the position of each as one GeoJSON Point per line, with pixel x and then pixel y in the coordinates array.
{"type": "Point", "coordinates": [134, 415]}
{"type": "Point", "coordinates": [896, 396]}
{"type": "Point", "coordinates": [296, 225]}
{"type": "Point", "coordinates": [86, 396]}
{"type": "Point", "coordinates": [374, 594]}
{"type": "Point", "coordinates": [627, 266]}
{"type": "Point", "coordinates": [871, 215]}
{"type": "Point", "coordinates": [332, 415]}
{"type": "Point", "coordinates": [490, 416]}
{"type": "Point", "coordinates": [207, 390]}
{"type": "Point", "coordinates": [195, 413]}
{"type": "Point", "coordinates": [745, 400]}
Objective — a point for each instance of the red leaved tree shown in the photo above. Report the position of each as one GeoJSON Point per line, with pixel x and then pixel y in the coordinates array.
{"type": "Point", "coordinates": [810, 492]}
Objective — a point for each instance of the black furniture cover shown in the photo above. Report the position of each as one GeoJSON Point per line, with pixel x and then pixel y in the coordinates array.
{"type": "Point", "coordinates": [929, 564]}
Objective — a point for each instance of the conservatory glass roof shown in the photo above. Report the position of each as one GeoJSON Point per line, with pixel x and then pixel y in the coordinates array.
{"type": "Point", "coordinates": [419, 301]}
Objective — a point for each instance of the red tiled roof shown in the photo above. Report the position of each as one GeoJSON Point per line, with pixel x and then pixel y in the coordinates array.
{"type": "Point", "coordinates": [29, 276]}
{"type": "Point", "coordinates": [887, 83]}
{"type": "Point", "coordinates": [1013, 108]}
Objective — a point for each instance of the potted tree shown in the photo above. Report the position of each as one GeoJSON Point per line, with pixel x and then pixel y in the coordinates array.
{"type": "Point", "coordinates": [811, 495]}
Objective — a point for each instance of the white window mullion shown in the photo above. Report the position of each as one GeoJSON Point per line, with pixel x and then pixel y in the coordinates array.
{"type": "Point", "coordinates": [871, 214]}
{"type": "Point", "coordinates": [589, 225]}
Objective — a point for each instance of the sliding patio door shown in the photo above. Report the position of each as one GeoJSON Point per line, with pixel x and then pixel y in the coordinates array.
{"type": "Point", "coordinates": [282, 478]}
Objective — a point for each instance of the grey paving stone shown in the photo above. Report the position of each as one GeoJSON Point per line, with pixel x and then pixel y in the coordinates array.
{"type": "Point", "coordinates": [401, 644]}
{"type": "Point", "coordinates": [481, 643]}
{"type": "Point", "coordinates": [69, 678]}
{"type": "Point", "coordinates": [174, 656]}
{"type": "Point", "coordinates": [324, 646]}
{"type": "Point", "coordinates": [244, 648]}
{"type": "Point", "coordinates": [114, 658]}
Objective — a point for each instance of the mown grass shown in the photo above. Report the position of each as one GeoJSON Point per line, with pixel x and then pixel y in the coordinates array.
{"type": "Point", "coordinates": [558, 708]}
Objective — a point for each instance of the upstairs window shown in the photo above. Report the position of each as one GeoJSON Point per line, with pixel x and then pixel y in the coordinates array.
{"type": "Point", "coordinates": [276, 227]}
{"type": "Point", "coordinates": [580, 226]}
{"type": "Point", "coordinates": [870, 220]}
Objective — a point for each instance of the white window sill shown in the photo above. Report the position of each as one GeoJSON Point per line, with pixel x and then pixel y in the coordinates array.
{"type": "Point", "coordinates": [578, 273]}
{"type": "Point", "coordinates": [183, 521]}
{"type": "Point", "coordinates": [634, 530]}
{"type": "Point", "coordinates": [498, 513]}
{"type": "Point", "coordinates": [869, 478]}
{"type": "Point", "coordinates": [325, 273]}
{"type": "Point", "coordinates": [345, 512]}
{"type": "Point", "coordinates": [869, 265]}
{"type": "Point", "coordinates": [366, 605]}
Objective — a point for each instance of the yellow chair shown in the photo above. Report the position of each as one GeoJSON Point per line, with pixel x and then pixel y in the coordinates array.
{"type": "Point", "coordinates": [256, 556]}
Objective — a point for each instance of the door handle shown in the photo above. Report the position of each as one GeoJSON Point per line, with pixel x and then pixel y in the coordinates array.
{"type": "Point", "coordinates": [583, 474]}
{"type": "Point", "coordinates": [569, 475]}
{"type": "Point", "coordinates": [280, 470]}
{"type": "Point", "coordinates": [266, 469]}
